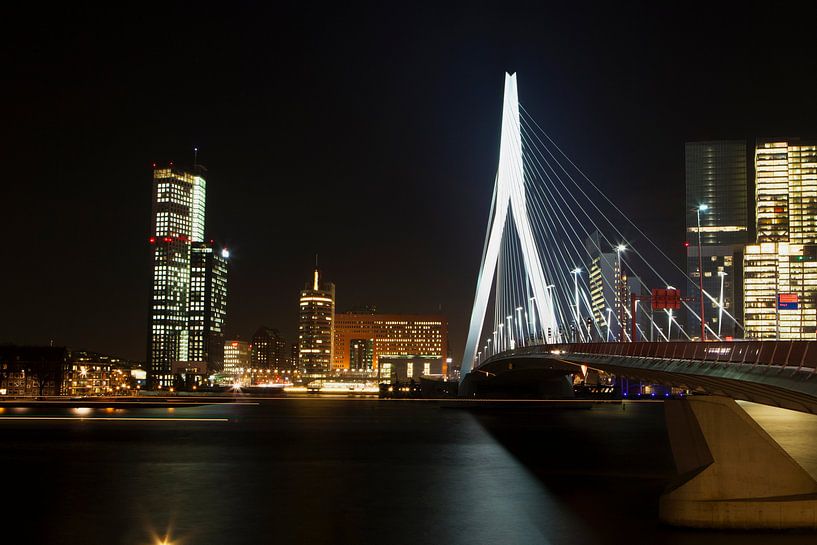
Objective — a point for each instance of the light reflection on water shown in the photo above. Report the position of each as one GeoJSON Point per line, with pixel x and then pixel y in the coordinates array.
{"type": "Point", "coordinates": [346, 471]}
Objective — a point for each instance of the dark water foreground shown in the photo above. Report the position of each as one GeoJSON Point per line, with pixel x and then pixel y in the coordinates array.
{"type": "Point", "coordinates": [353, 471]}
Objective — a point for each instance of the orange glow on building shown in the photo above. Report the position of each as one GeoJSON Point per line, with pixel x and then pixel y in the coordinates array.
{"type": "Point", "coordinates": [390, 335]}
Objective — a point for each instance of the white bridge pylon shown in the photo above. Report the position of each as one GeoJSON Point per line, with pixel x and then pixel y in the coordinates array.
{"type": "Point", "coordinates": [509, 195]}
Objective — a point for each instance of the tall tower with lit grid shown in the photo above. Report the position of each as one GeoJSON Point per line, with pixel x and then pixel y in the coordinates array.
{"type": "Point", "coordinates": [177, 222]}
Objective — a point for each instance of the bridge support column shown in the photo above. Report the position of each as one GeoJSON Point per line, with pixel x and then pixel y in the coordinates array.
{"type": "Point", "coordinates": [732, 473]}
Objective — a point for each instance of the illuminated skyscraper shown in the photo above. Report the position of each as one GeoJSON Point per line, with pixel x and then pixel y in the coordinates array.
{"type": "Point", "coordinates": [316, 327]}
{"type": "Point", "coordinates": [207, 307]}
{"type": "Point", "coordinates": [781, 269]}
{"type": "Point", "coordinates": [177, 221]}
{"type": "Point", "coordinates": [716, 176]}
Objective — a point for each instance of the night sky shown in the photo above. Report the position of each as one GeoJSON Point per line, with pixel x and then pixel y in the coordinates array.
{"type": "Point", "coordinates": [368, 135]}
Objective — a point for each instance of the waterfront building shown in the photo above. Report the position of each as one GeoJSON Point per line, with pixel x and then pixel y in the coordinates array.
{"type": "Point", "coordinates": [236, 357]}
{"type": "Point", "coordinates": [33, 370]}
{"type": "Point", "coordinates": [269, 350]}
{"type": "Point", "coordinates": [207, 307]}
{"type": "Point", "coordinates": [293, 356]}
{"type": "Point", "coordinates": [780, 270]}
{"type": "Point", "coordinates": [362, 339]}
{"type": "Point", "coordinates": [52, 371]}
{"type": "Point", "coordinates": [177, 220]}
{"type": "Point", "coordinates": [316, 327]}
{"type": "Point", "coordinates": [394, 368]}
{"type": "Point", "coordinates": [361, 354]}
{"type": "Point", "coordinates": [717, 177]}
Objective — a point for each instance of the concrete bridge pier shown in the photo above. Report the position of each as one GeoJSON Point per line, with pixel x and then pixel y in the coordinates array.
{"type": "Point", "coordinates": [732, 474]}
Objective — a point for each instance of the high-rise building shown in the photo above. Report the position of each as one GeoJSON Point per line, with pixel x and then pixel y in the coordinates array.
{"type": "Point", "coordinates": [780, 270]}
{"type": "Point", "coordinates": [316, 327]}
{"type": "Point", "coordinates": [236, 357]}
{"type": "Point", "coordinates": [362, 339]}
{"type": "Point", "coordinates": [716, 174]}
{"type": "Point", "coordinates": [603, 283]}
{"type": "Point", "coordinates": [177, 221]}
{"type": "Point", "coordinates": [207, 307]}
{"type": "Point", "coordinates": [270, 350]}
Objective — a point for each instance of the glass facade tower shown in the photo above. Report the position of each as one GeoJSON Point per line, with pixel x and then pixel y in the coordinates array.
{"type": "Point", "coordinates": [207, 307]}
{"type": "Point", "coordinates": [716, 176]}
{"type": "Point", "coordinates": [177, 224]}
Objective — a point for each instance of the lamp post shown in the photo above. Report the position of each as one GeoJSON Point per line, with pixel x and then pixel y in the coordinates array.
{"type": "Point", "coordinates": [576, 272]}
{"type": "Point", "coordinates": [532, 317]}
{"type": "Point", "coordinates": [722, 274]}
{"type": "Point", "coordinates": [519, 326]}
{"type": "Point", "coordinates": [701, 208]}
{"type": "Point", "coordinates": [511, 342]}
{"type": "Point", "coordinates": [500, 347]}
{"type": "Point", "coordinates": [669, 319]}
{"type": "Point", "coordinates": [609, 317]}
{"type": "Point", "coordinates": [620, 295]}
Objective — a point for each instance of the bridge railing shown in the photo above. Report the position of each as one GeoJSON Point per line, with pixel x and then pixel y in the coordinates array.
{"type": "Point", "coordinates": [799, 354]}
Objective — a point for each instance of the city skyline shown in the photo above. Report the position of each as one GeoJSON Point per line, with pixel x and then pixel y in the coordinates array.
{"type": "Point", "coordinates": [431, 148]}
{"type": "Point", "coordinates": [400, 273]}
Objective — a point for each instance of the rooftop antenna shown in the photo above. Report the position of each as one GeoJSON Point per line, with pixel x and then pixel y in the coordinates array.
{"type": "Point", "coordinates": [315, 284]}
{"type": "Point", "coordinates": [195, 158]}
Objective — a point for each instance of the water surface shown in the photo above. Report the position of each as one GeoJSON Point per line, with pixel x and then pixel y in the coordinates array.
{"type": "Point", "coordinates": [355, 471]}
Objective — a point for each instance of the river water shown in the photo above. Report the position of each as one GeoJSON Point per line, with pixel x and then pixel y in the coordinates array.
{"type": "Point", "coordinates": [354, 471]}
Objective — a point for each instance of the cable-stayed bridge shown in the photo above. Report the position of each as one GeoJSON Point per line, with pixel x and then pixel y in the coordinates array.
{"type": "Point", "coordinates": [561, 289]}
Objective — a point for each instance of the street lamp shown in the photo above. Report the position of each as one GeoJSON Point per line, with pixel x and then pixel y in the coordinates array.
{"type": "Point", "coordinates": [576, 272]}
{"type": "Point", "coordinates": [532, 316]}
{"type": "Point", "coordinates": [519, 325]}
{"type": "Point", "coordinates": [620, 290]}
{"type": "Point", "coordinates": [499, 326]}
{"type": "Point", "coordinates": [609, 317]}
{"type": "Point", "coordinates": [549, 287]}
{"type": "Point", "coordinates": [669, 319]}
{"type": "Point", "coordinates": [701, 208]}
{"type": "Point", "coordinates": [511, 342]}
{"type": "Point", "coordinates": [722, 274]}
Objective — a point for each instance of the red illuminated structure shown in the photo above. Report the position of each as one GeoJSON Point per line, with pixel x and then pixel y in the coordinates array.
{"type": "Point", "coordinates": [660, 299]}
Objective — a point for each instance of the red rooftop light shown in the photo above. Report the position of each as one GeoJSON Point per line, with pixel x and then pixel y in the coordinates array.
{"type": "Point", "coordinates": [152, 240]}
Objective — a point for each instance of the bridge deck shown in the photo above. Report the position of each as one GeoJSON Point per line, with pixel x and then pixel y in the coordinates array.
{"type": "Point", "coordinates": [778, 373]}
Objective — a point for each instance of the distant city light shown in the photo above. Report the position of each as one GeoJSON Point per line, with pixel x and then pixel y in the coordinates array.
{"type": "Point", "coordinates": [225, 253]}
